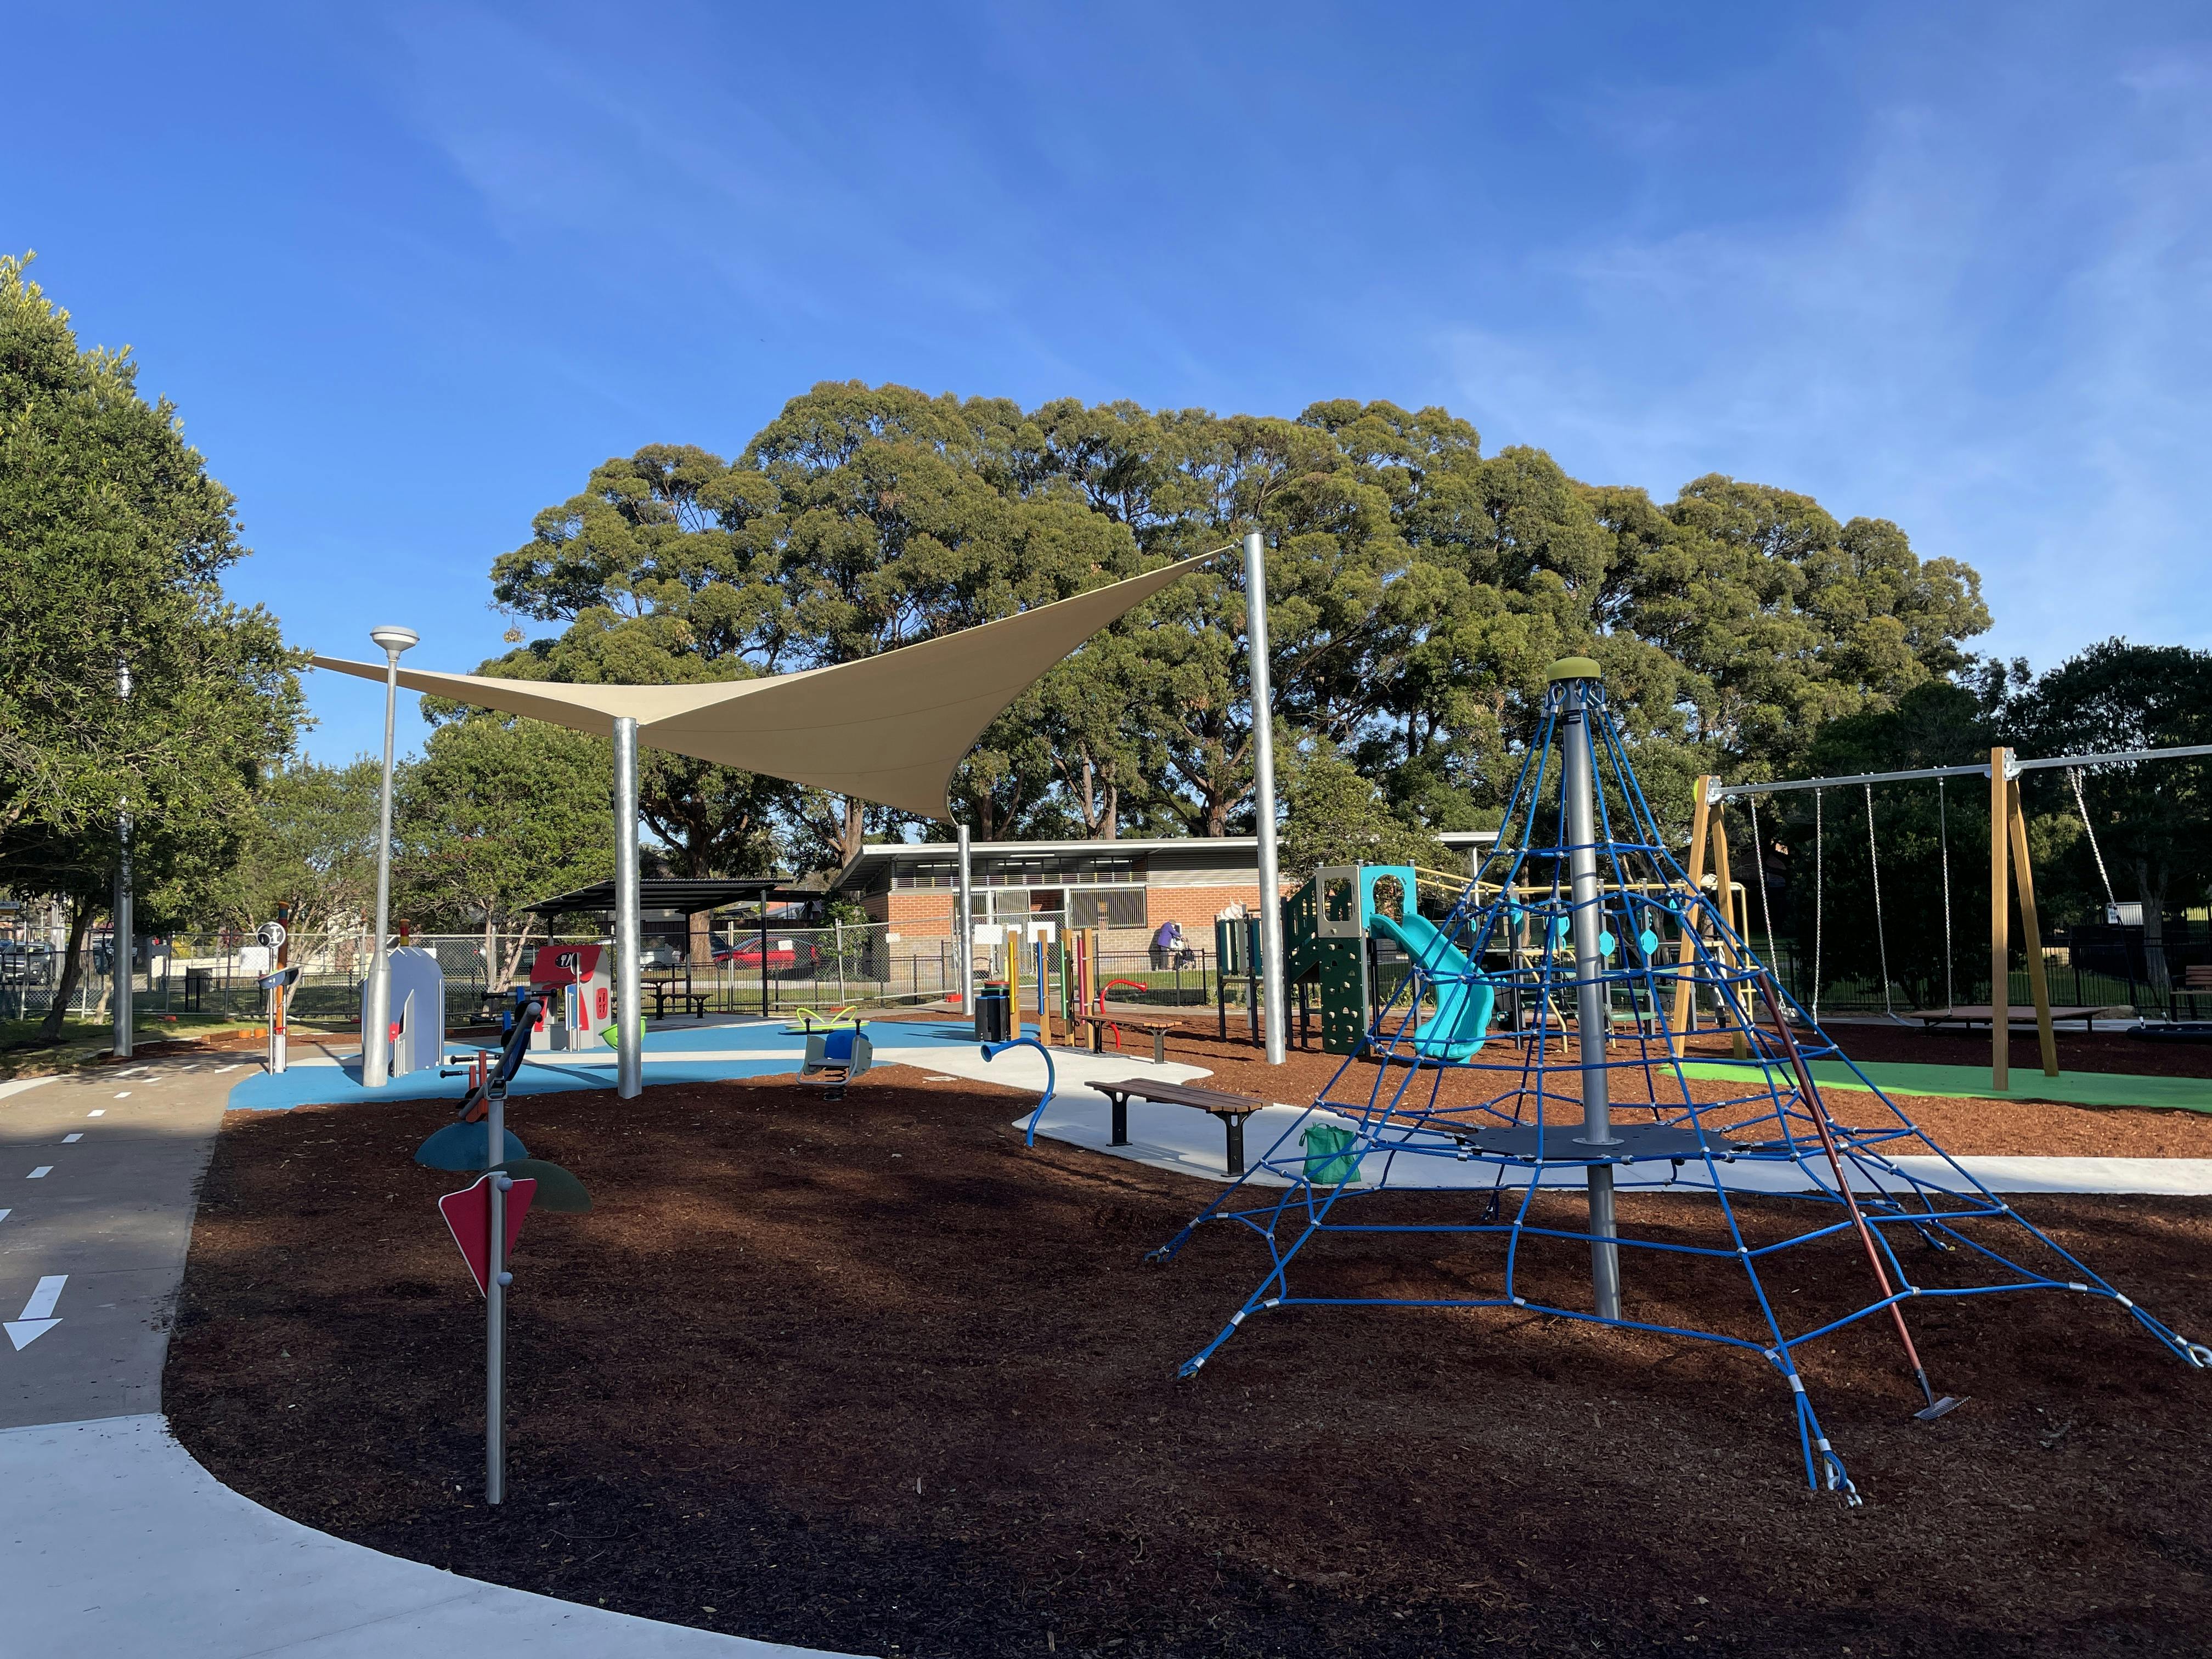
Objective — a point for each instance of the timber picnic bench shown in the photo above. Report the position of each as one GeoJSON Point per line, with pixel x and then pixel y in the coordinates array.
{"type": "Point", "coordinates": [1232, 1109]}
{"type": "Point", "coordinates": [664, 987]}
{"type": "Point", "coordinates": [1159, 1029]}
{"type": "Point", "coordinates": [1981, 1014]}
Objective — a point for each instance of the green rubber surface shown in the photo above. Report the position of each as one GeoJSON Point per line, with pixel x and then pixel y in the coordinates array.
{"type": "Point", "coordinates": [2187, 1093]}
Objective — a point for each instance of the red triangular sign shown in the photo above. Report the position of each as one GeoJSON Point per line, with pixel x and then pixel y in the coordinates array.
{"type": "Point", "coordinates": [468, 1216]}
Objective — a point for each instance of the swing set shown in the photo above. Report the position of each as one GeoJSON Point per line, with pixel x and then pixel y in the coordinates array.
{"type": "Point", "coordinates": [2010, 871]}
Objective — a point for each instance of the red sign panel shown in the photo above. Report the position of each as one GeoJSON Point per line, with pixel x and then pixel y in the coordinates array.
{"type": "Point", "coordinates": [468, 1215]}
{"type": "Point", "coordinates": [563, 964]}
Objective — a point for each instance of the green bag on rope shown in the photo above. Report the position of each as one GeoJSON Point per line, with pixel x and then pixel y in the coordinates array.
{"type": "Point", "coordinates": [1330, 1161]}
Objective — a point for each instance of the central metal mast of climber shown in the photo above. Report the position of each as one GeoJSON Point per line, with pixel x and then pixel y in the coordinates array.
{"type": "Point", "coordinates": [1593, 1016]}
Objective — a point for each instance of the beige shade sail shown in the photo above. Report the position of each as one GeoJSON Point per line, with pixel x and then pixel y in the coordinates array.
{"type": "Point", "coordinates": [888, 728]}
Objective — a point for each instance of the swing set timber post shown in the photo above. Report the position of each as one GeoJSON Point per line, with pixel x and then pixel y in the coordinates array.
{"type": "Point", "coordinates": [2038, 986]}
{"type": "Point", "coordinates": [1724, 891]}
{"type": "Point", "coordinates": [2008, 833]}
{"type": "Point", "coordinates": [1686, 951]}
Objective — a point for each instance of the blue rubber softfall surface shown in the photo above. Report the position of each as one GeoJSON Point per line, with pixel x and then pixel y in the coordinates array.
{"type": "Point", "coordinates": [460, 1146]}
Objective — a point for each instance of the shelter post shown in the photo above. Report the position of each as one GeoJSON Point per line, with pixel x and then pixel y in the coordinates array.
{"type": "Point", "coordinates": [1263, 783]}
{"type": "Point", "coordinates": [629, 980]}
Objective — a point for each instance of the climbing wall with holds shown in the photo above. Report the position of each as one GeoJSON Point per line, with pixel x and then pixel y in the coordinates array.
{"type": "Point", "coordinates": [1343, 994]}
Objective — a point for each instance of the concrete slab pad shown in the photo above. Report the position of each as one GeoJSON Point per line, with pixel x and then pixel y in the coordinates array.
{"type": "Point", "coordinates": [116, 1541]}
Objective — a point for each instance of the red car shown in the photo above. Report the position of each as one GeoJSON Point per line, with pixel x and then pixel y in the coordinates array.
{"type": "Point", "coordinates": [784, 955]}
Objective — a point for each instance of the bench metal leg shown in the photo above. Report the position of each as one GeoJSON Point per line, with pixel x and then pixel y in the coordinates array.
{"type": "Point", "coordinates": [1120, 1120]}
{"type": "Point", "coordinates": [1236, 1127]}
{"type": "Point", "coordinates": [1159, 1048]}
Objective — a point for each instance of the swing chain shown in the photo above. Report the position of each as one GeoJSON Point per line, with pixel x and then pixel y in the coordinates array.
{"type": "Point", "coordinates": [1819, 843]}
{"type": "Point", "coordinates": [1881, 935]}
{"type": "Point", "coordinates": [2081, 805]}
{"type": "Point", "coordinates": [1943, 842]}
{"type": "Point", "coordinates": [1758, 863]}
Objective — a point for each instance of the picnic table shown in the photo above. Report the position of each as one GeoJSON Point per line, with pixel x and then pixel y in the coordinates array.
{"type": "Point", "coordinates": [1972, 1014]}
{"type": "Point", "coordinates": [662, 987]}
{"type": "Point", "coordinates": [1158, 1027]}
{"type": "Point", "coordinates": [1232, 1109]}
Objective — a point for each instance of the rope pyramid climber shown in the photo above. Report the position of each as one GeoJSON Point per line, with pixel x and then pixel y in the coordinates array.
{"type": "Point", "coordinates": [1578, 916]}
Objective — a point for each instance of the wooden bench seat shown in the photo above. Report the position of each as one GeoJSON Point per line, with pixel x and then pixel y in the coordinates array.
{"type": "Point", "coordinates": [1159, 1029]}
{"type": "Point", "coordinates": [1232, 1109]}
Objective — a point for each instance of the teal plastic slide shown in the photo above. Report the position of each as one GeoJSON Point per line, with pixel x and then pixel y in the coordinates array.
{"type": "Point", "coordinates": [1464, 999]}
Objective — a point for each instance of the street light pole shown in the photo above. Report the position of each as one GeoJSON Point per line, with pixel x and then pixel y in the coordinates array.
{"type": "Point", "coordinates": [376, 1021]}
{"type": "Point", "coordinates": [119, 952]}
{"type": "Point", "coordinates": [1263, 778]}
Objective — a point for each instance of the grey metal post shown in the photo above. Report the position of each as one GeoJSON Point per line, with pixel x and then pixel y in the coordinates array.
{"type": "Point", "coordinates": [1592, 1015]}
{"type": "Point", "coordinates": [120, 955]}
{"type": "Point", "coordinates": [375, 1043]}
{"type": "Point", "coordinates": [630, 978]}
{"type": "Point", "coordinates": [1263, 783]}
{"type": "Point", "coordinates": [497, 1278]}
{"type": "Point", "coordinates": [963, 935]}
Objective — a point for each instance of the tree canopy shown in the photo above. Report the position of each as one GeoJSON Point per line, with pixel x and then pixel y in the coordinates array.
{"type": "Point", "coordinates": [115, 539]}
{"type": "Point", "coordinates": [1418, 589]}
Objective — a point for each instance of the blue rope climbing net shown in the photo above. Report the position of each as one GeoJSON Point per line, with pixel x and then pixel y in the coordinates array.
{"type": "Point", "coordinates": [1744, 1138]}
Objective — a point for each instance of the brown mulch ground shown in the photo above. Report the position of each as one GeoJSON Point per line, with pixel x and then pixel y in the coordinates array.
{"type": "Point", "coordinates": [867, 1375]}
{"type": "Point", "coordinates": [1964, 1127]}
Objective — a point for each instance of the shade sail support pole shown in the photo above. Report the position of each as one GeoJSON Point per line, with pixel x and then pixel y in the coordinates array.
{"type": "Point", "coordinates": [963, 934]}
{"type": "Point", "coordinates": [630, 978]}
{"type": "Point", "coordinates": [1263, 784]}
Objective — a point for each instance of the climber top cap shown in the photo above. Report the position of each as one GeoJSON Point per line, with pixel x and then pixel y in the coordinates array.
{"type": "Point", "coordinates": [1575, 668]}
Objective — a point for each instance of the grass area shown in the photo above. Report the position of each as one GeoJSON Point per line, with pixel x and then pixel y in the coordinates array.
{"type": "Point", "coordinates": [81, 1041]}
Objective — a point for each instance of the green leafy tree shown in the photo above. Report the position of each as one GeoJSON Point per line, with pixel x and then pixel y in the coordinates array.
{"type": "Point", "coordinates": [310, 845]}
{"type": "Point", "coordinates": [2153, 818]}
{"type": "Point", "coordinates": [1337, 815]}
{"type": "Point", "coordinates": [112, 541]}
{"type": "Point", "coordinates": [497, 814]}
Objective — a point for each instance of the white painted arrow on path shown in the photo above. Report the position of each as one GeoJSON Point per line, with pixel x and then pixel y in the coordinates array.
{"type": "Point", "coordinates": [37, 1319]}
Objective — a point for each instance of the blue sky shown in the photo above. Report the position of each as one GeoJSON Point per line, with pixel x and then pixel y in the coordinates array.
{"type": "Point", "coordinates": [410, 272]}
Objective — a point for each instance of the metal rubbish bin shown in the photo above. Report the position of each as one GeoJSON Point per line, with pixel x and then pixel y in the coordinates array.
{"type": "Point", "coordinates": [198, 982]}
{"type": "Point", "coordinates": [994, 1011]}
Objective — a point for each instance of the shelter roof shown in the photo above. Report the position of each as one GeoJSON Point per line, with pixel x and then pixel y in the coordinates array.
{"type": "Point", "coordinates": [684, 893]}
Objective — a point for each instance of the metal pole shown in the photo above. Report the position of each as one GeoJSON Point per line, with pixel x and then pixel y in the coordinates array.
{"type": "Point", "coordinates": [763, 951]}
{"type": "Point", "coordinates": [496, 1279]}
{"type": "Point", "coordinates": [119, 963]}
{"type": "Point", "coordinates": [629, 978]}
{"type": "Point", "coordinates": [963, 950]}
{"type": "Point", "coordinates": [376, 1022]}
{"type": "Point", "coordinates": [1263, 783]}
{"type": "Point", "coordinates": [1591, 1014]}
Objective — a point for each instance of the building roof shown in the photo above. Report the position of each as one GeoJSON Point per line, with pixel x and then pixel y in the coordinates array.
{"type": "Point", "coordinates": [683, 894]}
{"type": "Point", "coordinates": [888, 728]}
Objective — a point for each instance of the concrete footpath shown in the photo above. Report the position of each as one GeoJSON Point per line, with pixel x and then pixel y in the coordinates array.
{"type": "Point", "coordinates": [113, 1540]}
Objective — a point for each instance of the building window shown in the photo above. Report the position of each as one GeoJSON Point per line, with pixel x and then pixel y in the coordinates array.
{"type": "Point", "coordinates": [1106, 909]}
